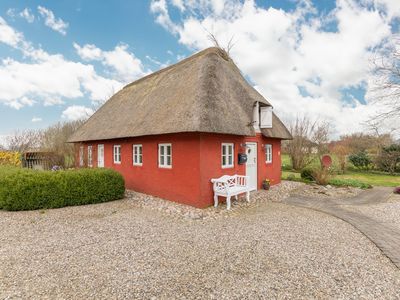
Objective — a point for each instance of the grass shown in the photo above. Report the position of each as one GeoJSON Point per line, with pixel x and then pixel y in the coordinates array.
{"type": "Point", "coordinates": [352, 177]}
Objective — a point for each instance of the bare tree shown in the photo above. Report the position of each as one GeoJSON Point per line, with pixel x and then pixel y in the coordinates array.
{"type": "Point", "coordinates": [22, 141]}
{"type": "Point", "coordinates": [309, 138]}
{"type": "Point", "coordinates": [386, 69]}
{"type": "Point", "coordinates": [54, 139]}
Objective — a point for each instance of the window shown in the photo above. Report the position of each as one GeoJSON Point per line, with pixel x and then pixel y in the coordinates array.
{"type": "Point", "coordinates": [117, 154]}
{"type": "Point", "coordinates": [266, 117]}
{"type": "Point", "coordinates": [165, 156]}
{"type": "Point", "coordinates": [89, 155]}
{"type": "Point", "coordinates": [81, 156]}
{"type": "Point", "coordinates": [227, 155]}
{"type": "Point", "coordinates": [268, 153]}
{"type": "Point", "coordinates": [137, 155]}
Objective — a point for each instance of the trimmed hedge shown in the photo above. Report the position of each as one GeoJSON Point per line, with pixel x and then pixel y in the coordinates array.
{"type": "Point", "coordinates": [22, 189]}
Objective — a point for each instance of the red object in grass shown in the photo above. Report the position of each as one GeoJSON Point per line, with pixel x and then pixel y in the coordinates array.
{"type": "Point", "coordinates": [326, 161]}
{"type": "Point", "coordinates": [396, 190]}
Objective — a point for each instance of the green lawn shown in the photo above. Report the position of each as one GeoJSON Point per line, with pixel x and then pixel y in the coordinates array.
{"type": "Point", "coordinates": [362, 176]}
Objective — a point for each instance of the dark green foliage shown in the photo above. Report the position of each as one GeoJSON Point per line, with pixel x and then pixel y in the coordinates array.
{"type": "Point", "coordinates": [307, 174]}
{"type": "Point", "coordinates": [22, 189]}
{"type": "Point", "coordinates": [389, 158]}
{"type": "Point", "coordinates": [349, 182]}
{"type": "Point", "coordinates": [360, 160]}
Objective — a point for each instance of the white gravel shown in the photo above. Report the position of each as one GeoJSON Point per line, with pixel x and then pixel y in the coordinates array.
{"type": "Point", "coordinates": [119, 250]}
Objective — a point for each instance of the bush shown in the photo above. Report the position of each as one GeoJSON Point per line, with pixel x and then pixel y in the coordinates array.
{"type": "Point", "coordinates": [321, 176]}
{"type": "Point", "coordinates": [291, 177]}
{"type": "Point", "coordinates": [9, 158]}
{"type": "Point", "coordinates": [22, 189]}
{"type": "Point", "coordinates": [396, 190]}
{"type": "Point", "coordinates": [349, 182]}
{"type": "Point", "coordinates": [360, 160]}
{"type": "Point", "coordinates": [307, 174]}
{"type": "Point", "coordinates": [389, 158]}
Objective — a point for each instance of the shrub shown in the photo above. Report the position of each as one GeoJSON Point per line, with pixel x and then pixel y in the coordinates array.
{"type": "Point", "coordinates": [307, 174]}
{"type": "Point", "coordinates": [396, 190]}
{"type": "Point", "coordinates": [349, 182]}
{"type": "Point", "coordinates": [321, 176]}
{"type": "Point", "coordinates": [360, 160]}
{"type": "Point", "coordinates": [22, 189]}
{"type": "Point", "coordinates": [9, 158]}
{"type": "Point", "coordinates": [389, 158]}
{"type": "Point", "coordinates": [291, 177]}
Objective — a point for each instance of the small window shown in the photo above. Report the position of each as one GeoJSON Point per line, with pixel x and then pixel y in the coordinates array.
{"type": "Point", "coordinates": [268, 153]}
{"type": "Point", "coordinates": [227, 155]}
{"type": "Point", "coordinates": [117, 154]}
{"type": "Point", "coordinates": [137, 155]}
{"type": "Point", "coordinates": [81, 149]}
{"type": "Point", "coordinates": [165, 156]}
{"type": "Point", "coordinates": [90, 156]}
{"type": "Point", "coordinates": [266, 117]}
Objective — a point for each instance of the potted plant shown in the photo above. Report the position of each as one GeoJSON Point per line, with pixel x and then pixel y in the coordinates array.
{"type": "Point", "coordinates": [266, 184]}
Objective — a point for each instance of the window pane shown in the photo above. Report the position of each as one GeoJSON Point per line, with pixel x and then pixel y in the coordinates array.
{"type": "Point", "coordinates": [223, 149]}
{"type": "Point", "coordinates": [230, 149]}
{"type": "Point", "coordinates": [168, 150]}
{"type": "Point", "coordinates": [140, 159]}
{"type": "Point", "coordinates": [230, 160]}
{"type": "Point", "coordinates": [140, 149]}
{"type": "Point", "coordinates": [223, 160]}
{"type": "Point", "coordinates": [162, 160]}
{"type": "Point", "coordinates": [162, 150]}
{"type": "Point", "coordinates": [168, 160]}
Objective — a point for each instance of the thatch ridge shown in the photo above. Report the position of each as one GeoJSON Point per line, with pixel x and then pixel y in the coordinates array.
{"type": "Point", "coordinates": [205, 92]}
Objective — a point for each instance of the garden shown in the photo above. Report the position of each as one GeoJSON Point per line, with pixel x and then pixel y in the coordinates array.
{"type": "Point", "coordinates": [352, 176]}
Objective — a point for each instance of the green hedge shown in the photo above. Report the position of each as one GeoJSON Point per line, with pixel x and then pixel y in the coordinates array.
{"type": "Point", "coordinates": [22, 189]}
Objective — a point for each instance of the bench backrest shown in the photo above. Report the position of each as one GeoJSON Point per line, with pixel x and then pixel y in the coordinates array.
{"type": "Point", "coordinates": [225, 182]}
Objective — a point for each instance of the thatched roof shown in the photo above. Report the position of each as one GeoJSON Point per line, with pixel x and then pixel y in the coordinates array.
{"type": "Point", "coordinates": [203, 93]}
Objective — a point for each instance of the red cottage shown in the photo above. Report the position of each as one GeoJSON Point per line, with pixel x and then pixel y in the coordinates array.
{"type": "Point", "coordinates": [170, 132]}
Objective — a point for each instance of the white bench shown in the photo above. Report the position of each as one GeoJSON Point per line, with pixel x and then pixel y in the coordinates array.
{"type": "Point", "coordinates": [228, 186]}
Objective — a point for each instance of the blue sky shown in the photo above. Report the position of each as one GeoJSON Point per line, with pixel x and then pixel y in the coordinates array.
{"type": "Point", "coordinates": [61, 59]}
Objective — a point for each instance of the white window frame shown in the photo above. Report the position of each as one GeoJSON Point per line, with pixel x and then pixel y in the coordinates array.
{"type": "Point", "coordinates": [90, 156]}
{"type": "Point", "coordinates": [227, 155]}
{"type": "Point", "coordinates": [268, 153]}
{"type": "Point", "coordinates": [117, 156]}
{"type": "Point", "coordinates": [165, 156]}
{"type": "Point", "coordinates": [137, 156]}
{"type": "Point", "coordinates": [81, 158]}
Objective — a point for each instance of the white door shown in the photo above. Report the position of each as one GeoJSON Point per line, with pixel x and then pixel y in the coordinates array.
{"type": "Point", "coordinates": [251, 165]}
{"type": "Point", "coordinates": [100, 156]}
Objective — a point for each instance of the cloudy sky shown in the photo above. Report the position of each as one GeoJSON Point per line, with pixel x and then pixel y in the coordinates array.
{"type": "Point", "coordinates": [60, 59]}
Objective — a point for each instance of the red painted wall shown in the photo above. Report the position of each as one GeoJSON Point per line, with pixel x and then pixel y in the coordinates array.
{"type": "Point", "coordinates": [196, 158]}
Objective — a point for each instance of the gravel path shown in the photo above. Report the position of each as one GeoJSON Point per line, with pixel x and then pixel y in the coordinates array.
{"type": "Point", "coordinates": [121, 251]}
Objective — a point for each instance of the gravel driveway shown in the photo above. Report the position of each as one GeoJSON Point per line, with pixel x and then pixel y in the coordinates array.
{"type": "Point", "coordinates": [122, 251]}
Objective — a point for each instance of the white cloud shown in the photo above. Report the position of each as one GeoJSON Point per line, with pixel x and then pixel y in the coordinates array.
{"type": "Point", "coordinates": [77, 112]}
{"type": "Point", "coordinates": [51, 21]}
{"type": "Point", "coordinates": [27, 15]}
{"type": "Point", "coordinates": [47, 78]}
{"type": "Point", "coordinates": [11, 12]}
{"type": "Point", "coordinates": [36, 119]}
{"type": "Point", "coordinates": [8, 35]}
{"type": "Point", "coordinates": [286, 51]}
{"type": "Point", "coordinates": [125, 66]}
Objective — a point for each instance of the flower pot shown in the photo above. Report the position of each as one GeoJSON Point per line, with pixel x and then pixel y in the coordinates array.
{"type": "Point", "coordinates": [266, 185]}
